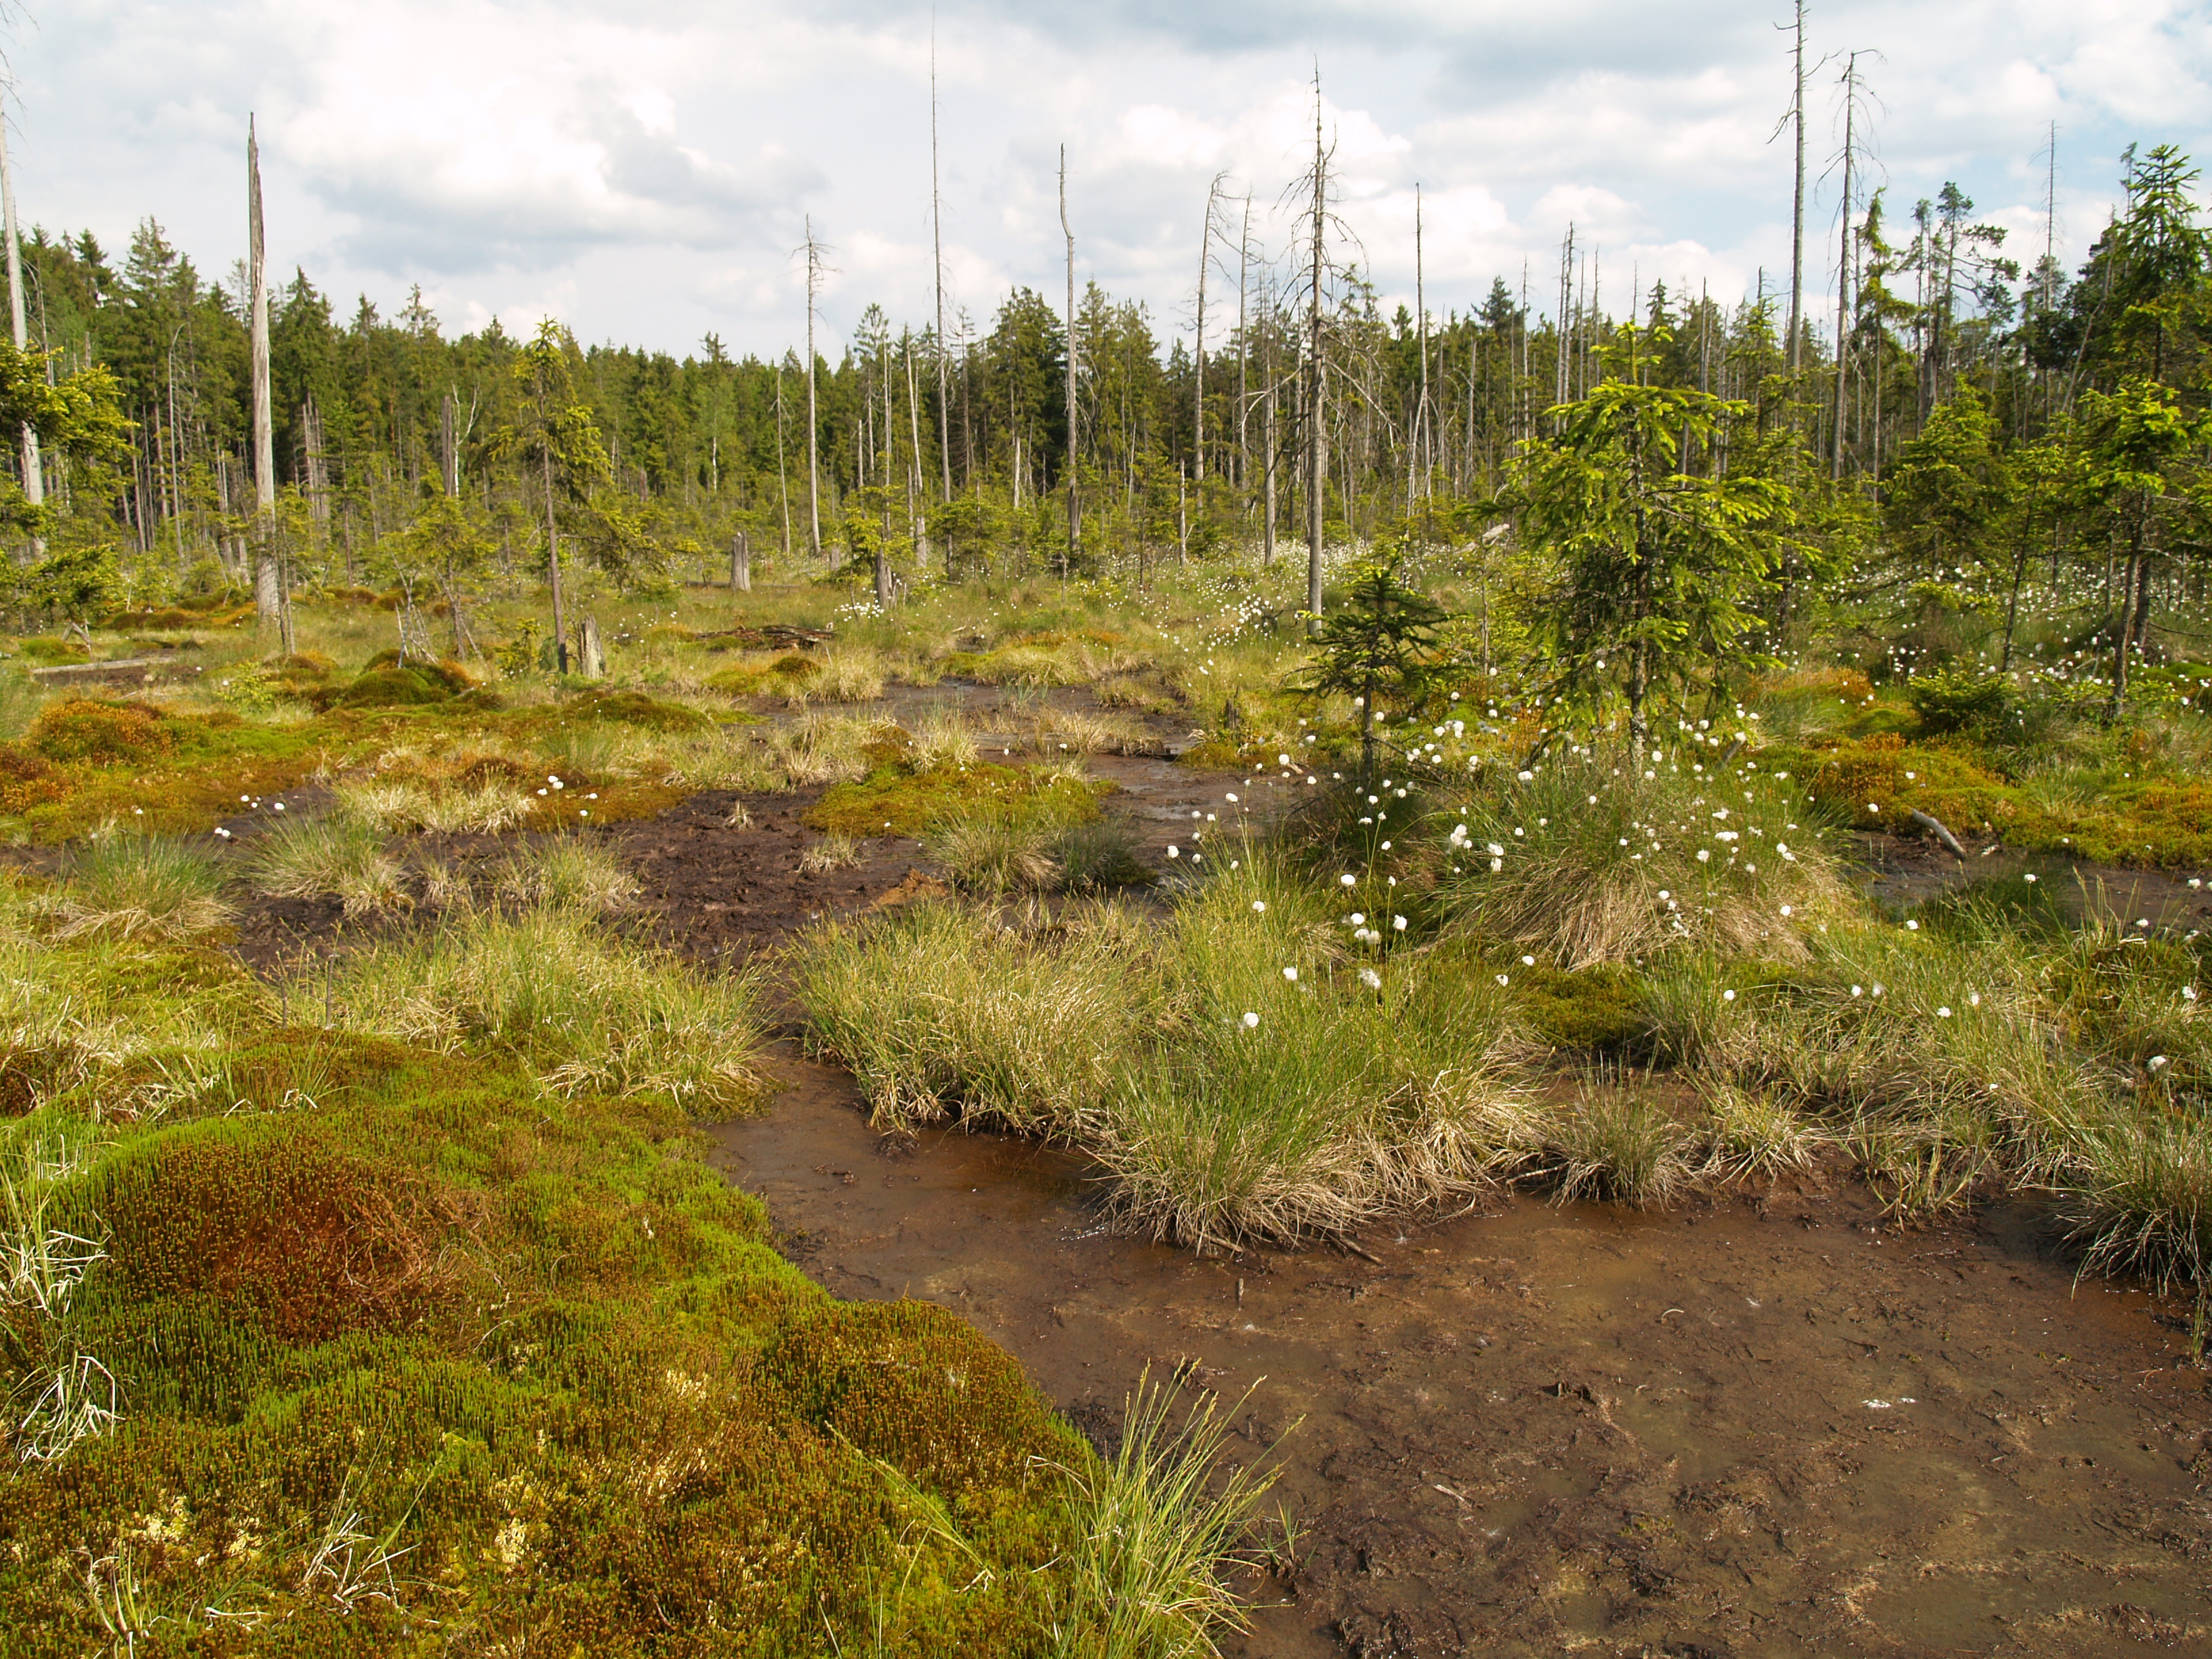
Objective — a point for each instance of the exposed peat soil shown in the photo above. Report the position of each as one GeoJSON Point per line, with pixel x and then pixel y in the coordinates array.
{"type": "Point", "coordinates": [1743, 1426]}
{"type": "Point", "coordinates": [1772, 1427]}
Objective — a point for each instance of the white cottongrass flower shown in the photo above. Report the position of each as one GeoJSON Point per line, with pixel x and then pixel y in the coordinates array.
{"type": "Point", "coordinates": [1175, 852]}
{"type": "Point", "coordinates": [1858, 990]}
{"type": "Point", "coordinates": [1370, 979]}
{"type": "Point", "coordinates": [1496, 865]}
{"type": "Point", "coordinates": [1250, 1020]}
{"type": "Point", "coordinates": [1292, 975]}
{"type": "Point", "coordinates": [1399, 923]}
{"type": "Point", "coordinates": [1704, 855]}
{"type": "Point", "coordinates": [1943, 1013]}
{"type": "Point", "coordinates": [1358, 918]}
{"type": "Point", "coordinates": [1727, 996]}
{"type": "Point", "coordinates": [2158, 1063]}
{"type": "Point", "coordinates": [1526, 777]}
{"type": "Point", "coordinates": [1259, 904]}
{"type": "Point", "coordinates": [2029, 877]}
{"type": "Point", "coordinates": [1495, 850]}
{"type": "Point", "coordinates": [1912, 926]}
{"type": "Point", "coordinates": [1785, 910]}
{"type": "Point", "coordinates": [2189, 994]}
{"type": "Point", "coordinates": [1349, 881]}
{"type": "Point", "coordinates": [1501, 978]}
{"type": "Point", "coordinates": [1528, 962]}
{"type": "Point", "coordinates": [1230, 797]}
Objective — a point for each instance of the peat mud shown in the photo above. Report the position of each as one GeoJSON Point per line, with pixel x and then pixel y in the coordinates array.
{"type": "Point", "coordinates": [1782, 1427]}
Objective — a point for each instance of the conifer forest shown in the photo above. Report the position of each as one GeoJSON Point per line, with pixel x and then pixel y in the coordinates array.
{"type": "Point", "coordinates": [1303, 974]}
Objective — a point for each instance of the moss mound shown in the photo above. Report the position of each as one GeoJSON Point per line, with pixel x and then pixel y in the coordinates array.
{"type": "Point", "coordinates": [893, 799]}
{"type": "Point", "coordinates": [635, 709]}
{"type": "Point", "coordinates": [394, 688]}
{"type": "Point", "coordinates": [103, 732]}
{"type": "Point", "coordinates": [400, 1345]}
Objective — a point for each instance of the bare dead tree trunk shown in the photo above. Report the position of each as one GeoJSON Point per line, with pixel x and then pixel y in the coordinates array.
{"type": "Point", "coordinates": [1316, 511]}
{"type": "Point", "coordinates": [813, 464]}
{"type": "Point", "coordinates": [1844, 271]}
{"type": "Point", "coordinates": [449, 449]}
{"type": "Point", "coordinates": [1198, 355]}
{"type": "Point", "coordinates": [1074, 505]}
{"type": "Point", "coordinates": [1797, 207]}
{"type": "Point", "coordinates": [34, 481]}
{"type": "Point", "coordinates": [937, 240]}
{"type": "Point", "coordinates": [1421, 326]}
{"type": "Point", "coordinates": [269, 599]}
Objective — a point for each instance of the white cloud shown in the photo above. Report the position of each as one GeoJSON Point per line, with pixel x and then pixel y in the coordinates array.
{"type": "Point", "coordinates": [642, 169]}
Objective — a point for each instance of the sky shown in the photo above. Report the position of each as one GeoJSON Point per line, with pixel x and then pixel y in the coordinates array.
{"type": "Point", "coordinates": [645, 171]}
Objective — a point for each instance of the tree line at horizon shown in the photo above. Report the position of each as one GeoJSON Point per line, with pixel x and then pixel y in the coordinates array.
{"type": "Point", "coordinates": [1972, 433]}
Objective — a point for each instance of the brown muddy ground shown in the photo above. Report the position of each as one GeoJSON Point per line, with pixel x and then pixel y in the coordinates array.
{"type": "Point", "coordinates": [1740, 1427]}
{"type": "Point", "coordinates": [1772, 1427]}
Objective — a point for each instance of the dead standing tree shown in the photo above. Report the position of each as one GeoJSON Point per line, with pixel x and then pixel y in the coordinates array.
{"type": "Point", "coordinates": [1319, 222]}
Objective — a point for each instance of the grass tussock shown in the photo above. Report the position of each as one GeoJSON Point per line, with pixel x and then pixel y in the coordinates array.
{"type": "Point", "coordinates": [568, 872]}
{"type": "Point", "coordinates": [392, 805]}
{"type": "Point", "coordinates": [828, 853]}
{"type": "Point", "coordinates": [1583, 862]}
{"type": "Point", "coordinates": [1618, 1141]}
{"type": "Point", "coordinates": [136, 887]}
{"type": "Point", "coordinates": [585, 1011]}
{"type": "Point", "coordinates": [1158, 1520]}
{"type": "Point", "coordinates": [1233, 1070]}
{"type": "Point", "coordinates": [332, 856]}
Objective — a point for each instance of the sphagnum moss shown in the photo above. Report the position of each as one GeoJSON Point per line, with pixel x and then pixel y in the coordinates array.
{"type": "Point", "coordinates": [372, 1344]}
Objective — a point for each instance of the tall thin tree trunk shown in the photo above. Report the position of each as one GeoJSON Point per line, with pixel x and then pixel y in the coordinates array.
{"type": "Point", "coordinates": [34, 481]}
{"type": "Point", "coordinates": [1316, 510]}
{"type": "Point", "coordinates": [813, 424]}
{"type": "Point", "coordinates": [268, 605]}
{"type": "Point", "coordinates": [1843, 277]}
{"type": "Point", "coordinates": [1267, 441]}
{"type": "Point", "coordinates": [1074, 507]}
{"type": "Point", "coordinates": [916, 528]}
{"type": "Point", "coordinates": [1198, 356]}
{"type": "Point", "coordinates": [1797, 205]}
{"type": "Point", "coordinates": [449, 447]}
{"type": "Point", "coordinates": [936, 239]}
{"type": "Point", "coordinates": [1243, 479]}
{"type": "Point", "coordinates": [1421, 328]}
